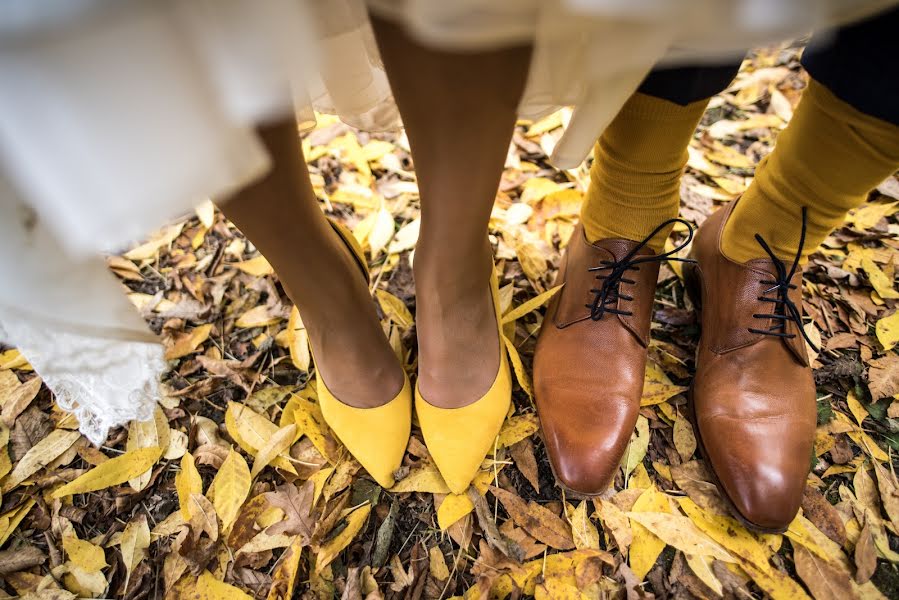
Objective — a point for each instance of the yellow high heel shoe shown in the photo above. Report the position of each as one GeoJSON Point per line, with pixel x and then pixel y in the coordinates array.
{"type": "Point", "coordinates": [377, 436]}
{"type": "Point", "coordinates": [460, 438]}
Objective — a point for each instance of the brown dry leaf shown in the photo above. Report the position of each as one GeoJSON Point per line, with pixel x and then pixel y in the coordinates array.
{"type": "Point", "coordinates": [684, 440]}
{"type": "Point", "coordinates": [883, 376]}
{"type": "Point", "coordinates": [297, 503]}
{"type": "Point", "coordinates": [188, 343]}
{"type": "Point", "coordinates": [14, 401]}
{"type": "Point", "coordinates": [538, 521]}
{"type": "Point", "coordinates": [826, 580]}
{"type": "Point", "coordinates": [865, 556]}
{"type": "Point", "coordinates": [582, 530]}
{"type": "Point", "coordinates": [257, 267]}
{"type": "Point", "coordinates": [203, 517]}
{"type": "Point", "coordinates": [134, 544]}
{"type": "Point", "coordinates": [615, 522]}
{"type": "Point", "coordinates": [285, 574]}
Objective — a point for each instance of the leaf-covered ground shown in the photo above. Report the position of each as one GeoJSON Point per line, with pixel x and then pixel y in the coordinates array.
{"type": "Point", "coordinates": [238, 488]}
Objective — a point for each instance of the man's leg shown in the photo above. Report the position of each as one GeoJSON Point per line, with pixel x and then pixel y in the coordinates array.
{"type": "Point", "coordinates": [753, 393]}
{"type": "Point", "coordinates": [591, 353]}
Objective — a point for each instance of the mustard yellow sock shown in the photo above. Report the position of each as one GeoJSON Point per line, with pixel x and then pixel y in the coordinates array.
{"type": "Point", "coordinates": [827, 159]}
{"type": "Point", "coordinates": [635, 178]}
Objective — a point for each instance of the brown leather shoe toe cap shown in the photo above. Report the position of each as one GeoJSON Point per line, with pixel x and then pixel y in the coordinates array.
{"type": "Point", "coordinates": [765, 487]}
{"type": "Point", "coordinates": [585, 452]}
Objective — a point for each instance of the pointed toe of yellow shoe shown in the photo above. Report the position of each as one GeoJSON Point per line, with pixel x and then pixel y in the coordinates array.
{"type": "Point", "coordinates": [459, 438]}
{"type": "Point", "coordinates": [376, 437]}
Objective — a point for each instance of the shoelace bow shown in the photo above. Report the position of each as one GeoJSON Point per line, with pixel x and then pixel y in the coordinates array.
{"type": "Point", "coordinates": [607, 296]}
{"type": "Point", "coordinates": [785, 310]}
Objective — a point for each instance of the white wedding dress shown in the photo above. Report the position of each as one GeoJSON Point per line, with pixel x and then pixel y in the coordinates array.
{"type": "Point", "coordinates": [119, 115]}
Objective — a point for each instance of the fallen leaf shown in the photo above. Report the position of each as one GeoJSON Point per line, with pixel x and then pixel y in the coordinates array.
{"type": "Point", "coordinates": [230, 488]}
{"type": "Point", "coordinates": [537, 520]}
{"type": "Point", "coordinates": [329, 550]}
{"type": "Point", "coordinates": [112, 472]}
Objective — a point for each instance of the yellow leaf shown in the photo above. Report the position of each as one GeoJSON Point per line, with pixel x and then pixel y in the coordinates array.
{"type": "Point", "coordinates": [546, 124]}
{"type": "Point", "coordinates": [13, 359]}
{"type": "Point", "coordinates": [149, 249]}
{"type": "Point", "coordinates": [531, 258]}
{"type": "Point", "coordinates": [455, 506]}
{"type": "Point", "coordinates": [531, 305]}
{"type": "Point", "coordinates": [726, 155]}
{"type": "Point", "coordinates": [10, 520]}
{"type": "Point", "coordinates": [521, 374]}
{"type": "Point", "coordinates": [147, 434]}
{"type": "Point", "coordinates": [83, 554]}
{"type": "Point", "coordinates": [681, 533]}
{"type": "Point", "coordinates": [298, 341]}
{"type": "Point", "coordinates": [311, 423]}
{"type": "Point", "coordinates": [381, 232]}
{"type": "Point", "coordinates": [684, 440]}
{"type": "Point", "coordinates": [855, 407]}
{"type": "Point", "coordinates": [423, 478]}
{"type": "Point", "coordinates": [870, 214]}
{"type": "Point", "coordinates": [187, 482]}
{"type": "Point", "coordinates": [637, 447]}
{"type": "Point", "coordinates": [134, 544]}
{"type": "Point", "coordinates": [259, 316]}
{"type": "Point", "coordinates": [281, 441]}
{"type": "Point", "coordinates": [375, 149]}
{"type": "Point", "coordinates": [615, 522]}
{"type": "Point", "coordinates": [231, 487]}
{"type": "Point", "coordinates": [702, 568]}
{"type": "Point", "coordinates": [437, 564]}
{"type": "Point", "coordinates": [206, 214]}
{"type": "Point", "coordinates": [657, 387]}
{"type": "Point", "coordinates": [330, 549]}
{"type": "Point", "coordinates": [188, 343]}
{"type": "Point", "coordinates": [887, 330]}
{"type": "Point", "coordinates": [258, 266]}
{"type": "Point", "coordinates": [582, 529]}
{"type": "Point", "coordinates": [41, 454]}
{"type": "Point", "coordinates": [112, 472]}
{"type": "Point", "coordinates": [406, 237]}
{"type": "Point", "coordinates": [394, 308]}
{"type": "Point", "coordinates": [210, 588]}
{"type": "Point", "coordinates": [252, 431]}
{"type": "Point", "coordinates": [285, 574]}
{"type": "Point", "coordinates": [516, 429]}
{"type": "Point", "coordinates": [646, 547]}
{"type": "Point", "coordinates": [751, 555]}
{"type": "Point", "coordinates": [882, 284]}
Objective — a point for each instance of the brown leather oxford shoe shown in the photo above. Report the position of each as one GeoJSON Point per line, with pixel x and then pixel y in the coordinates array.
{"type": "Point", "coordinates": [753, 396]}
{"type": "Point", "coordinates": [591, 356]}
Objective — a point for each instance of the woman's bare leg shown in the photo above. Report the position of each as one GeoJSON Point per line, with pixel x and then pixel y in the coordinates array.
{"type": "Point", "coordinates": [281, 216]}
{"type": "Point", "coordinates": [459, 110]}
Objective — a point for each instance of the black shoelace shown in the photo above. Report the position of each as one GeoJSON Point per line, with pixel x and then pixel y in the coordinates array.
{"type": "Point", "coordinates": [785, 310]}
{"type": "Point", "coordinates": [609, 293]}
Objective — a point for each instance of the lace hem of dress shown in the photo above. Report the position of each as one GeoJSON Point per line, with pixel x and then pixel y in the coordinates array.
{"type": "Point", "coordinates": [104, 382]}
